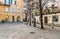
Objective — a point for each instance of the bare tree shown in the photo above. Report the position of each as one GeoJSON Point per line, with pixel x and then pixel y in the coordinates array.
{"type": "Point", "coordinates": [41, 13]}
{"type": "Point", "coordinates": [40, 7]}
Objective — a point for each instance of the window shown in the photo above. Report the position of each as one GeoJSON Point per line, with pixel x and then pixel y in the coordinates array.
{"type": "Point", "coordinates": [13, 2]}
{"type": "Point", "coordinates": [10, 1]}
{"type": "Point", "coordinates": [45, 0]}
{"type": "Point", "coordinates": [53, 0]}
{"type": "Point", "coordinates": [7, 2]}
{"type": "Point", "coordinates": [6, 9]}
{"type": "Point", "coordinates": [55, 18]}
{"type": "Point", "coordinates": [13, 9]}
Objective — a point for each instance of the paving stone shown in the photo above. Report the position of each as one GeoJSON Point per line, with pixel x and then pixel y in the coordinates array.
{"type": "Point", "coordinates": [22, 31]}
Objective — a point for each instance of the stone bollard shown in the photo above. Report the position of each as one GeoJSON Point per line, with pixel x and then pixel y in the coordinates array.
{"type": "Point", "coordinates": [34, 22]}
{"type": "Point", "coordinates": [52, 25]}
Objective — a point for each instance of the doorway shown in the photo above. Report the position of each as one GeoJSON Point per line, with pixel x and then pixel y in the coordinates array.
{"type": "Point", "coordinates": [46, 20]}
{"type": "Point", "coordinates": [12, 18]}
{"type": "Point", "coordinates": [18, 19]}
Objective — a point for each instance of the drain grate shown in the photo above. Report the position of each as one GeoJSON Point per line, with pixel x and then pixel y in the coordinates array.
{"type": "Point", "coordinates": [32, 32]}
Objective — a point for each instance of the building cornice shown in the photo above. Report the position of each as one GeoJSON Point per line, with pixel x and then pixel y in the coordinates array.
{"type": "Point", "coordinates": [52, 13]}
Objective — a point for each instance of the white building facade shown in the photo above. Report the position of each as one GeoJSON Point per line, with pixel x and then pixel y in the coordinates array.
{"type": "Point", "coordinates": [49, 19]}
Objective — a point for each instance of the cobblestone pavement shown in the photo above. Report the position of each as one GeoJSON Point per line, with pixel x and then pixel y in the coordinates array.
{"type": "Point", "coordinates": [22, 31]}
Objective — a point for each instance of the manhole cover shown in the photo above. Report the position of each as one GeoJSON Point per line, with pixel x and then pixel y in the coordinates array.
{"type": "Point", "coordinates": [40, 37]}
{"type": "Point", "coordinates": [32, 32]}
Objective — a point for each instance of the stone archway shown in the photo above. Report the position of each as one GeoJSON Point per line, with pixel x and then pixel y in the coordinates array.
{"type": "Point", "coordinates": [6, 18]}
{"type": "Point", "coordinates": [18, 18]}
{"type": "Point", "coordinates": [13, 19]}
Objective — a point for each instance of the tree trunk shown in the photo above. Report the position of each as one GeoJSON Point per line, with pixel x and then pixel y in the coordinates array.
{"type": "Point", "coordinates": [41, 15]}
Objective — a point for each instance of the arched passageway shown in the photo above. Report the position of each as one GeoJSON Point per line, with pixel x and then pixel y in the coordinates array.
{"type": "Point", "coordinates": [6, 19]}
{"type": "Point", "coordinates": [12, 18]}
{"type": "Point", "coordinates": [18, 19]}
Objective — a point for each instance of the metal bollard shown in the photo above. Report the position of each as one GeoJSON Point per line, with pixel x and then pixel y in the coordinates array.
{"type": "Point", "coordinates": [34, 22]}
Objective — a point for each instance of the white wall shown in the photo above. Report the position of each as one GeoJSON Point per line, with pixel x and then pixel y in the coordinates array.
{"type": "Point", "coordinates": [37, 19]}
{"type": "Point", "coordinates": [50, 18]}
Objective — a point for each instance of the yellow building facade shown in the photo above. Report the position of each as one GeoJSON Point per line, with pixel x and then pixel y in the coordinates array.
{"type": "Point", "coordinates": [11, 11]}
{"type": "Point", "coordinates": [9, 16]}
